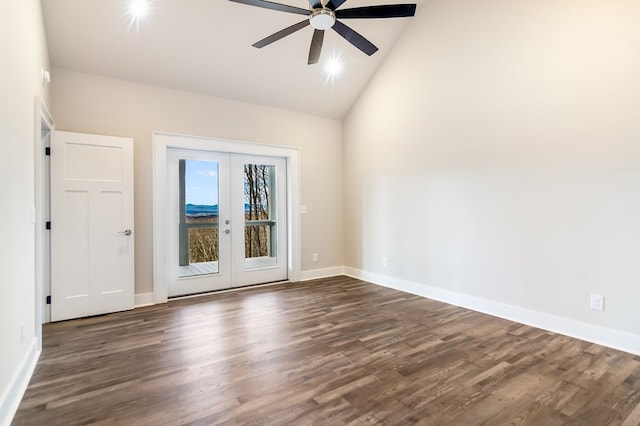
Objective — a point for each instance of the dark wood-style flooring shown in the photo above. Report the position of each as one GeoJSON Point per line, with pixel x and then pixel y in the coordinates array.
{"type": "Point", "coordinates": [333, 351]}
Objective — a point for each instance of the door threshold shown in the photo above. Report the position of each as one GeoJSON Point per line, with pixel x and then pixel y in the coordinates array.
{"type": "Point", "coordinates": [228, 290]}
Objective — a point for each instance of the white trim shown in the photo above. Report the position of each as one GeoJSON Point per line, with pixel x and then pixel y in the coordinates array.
{"type": "Point", "coordinates": [315, 274]}
{"type": "Point", "coordinates": [18, 384]}
{"type": "Point", "coordinates": [42, 116]}
{"type": "Point", "coordinates": [591, 333]}
{"type": "Point", "coordinates": [163, 141]}
{"type": "Point", "coordinates": [143, 299]}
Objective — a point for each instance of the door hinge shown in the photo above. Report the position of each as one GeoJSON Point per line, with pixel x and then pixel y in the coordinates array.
{"type": "Point", "coordinates": [48, 300]}
{"type": "Point", "coordinates": [47, 151]}
{"type": "Point", "coordinates": [47, 226]}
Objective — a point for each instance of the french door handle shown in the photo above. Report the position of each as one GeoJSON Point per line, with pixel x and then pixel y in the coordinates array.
{"type": "Point", "coordinates": [126, 232]}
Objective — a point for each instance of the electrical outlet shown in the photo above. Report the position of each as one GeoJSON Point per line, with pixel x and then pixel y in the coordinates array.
{"type": "Point", "coordinates": [597, 302]}
{"type": "Point", "coordinates": [315, 257]}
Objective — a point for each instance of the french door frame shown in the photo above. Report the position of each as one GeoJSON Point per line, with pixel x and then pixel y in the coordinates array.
{"type": "Point", "coordinates": [164, 141]}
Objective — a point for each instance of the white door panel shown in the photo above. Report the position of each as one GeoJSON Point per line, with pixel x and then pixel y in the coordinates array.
{"type": "Point", "coordinates": [270, 266]}
{"type": "Point", "coordinates": [197, 277]}
{"type": "Point", "coordinates": [92, 269]}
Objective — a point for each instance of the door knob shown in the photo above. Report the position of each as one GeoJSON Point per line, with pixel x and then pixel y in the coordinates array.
{"type": "Point", "coordinates": [227, 231]}
{"type": "Point", "coordinates": [126, 232]}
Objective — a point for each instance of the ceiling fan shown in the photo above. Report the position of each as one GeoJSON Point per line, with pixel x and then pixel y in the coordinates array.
{"type": "Point", "coordinates": [323, 14]}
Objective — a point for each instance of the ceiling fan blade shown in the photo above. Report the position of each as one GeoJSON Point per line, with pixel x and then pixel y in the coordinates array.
{"type": "Point", "coordinates": [354, 38]}
{"type": "Point", "coordinates": [315, 4]}
{"type": "Point", "coordinates": [274, 6]}
{"type": "Point", "coordinates": [316, 47]}
{"type": "Point", "coordinates": [334, 4]}
{"type": "Point", "coordinates": [280, 34]}
{"type": "Point", "coordinates": [382, 11]}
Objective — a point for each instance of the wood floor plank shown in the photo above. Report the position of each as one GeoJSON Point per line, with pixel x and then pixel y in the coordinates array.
{"type": "Point", "coordinates": [330, 351]}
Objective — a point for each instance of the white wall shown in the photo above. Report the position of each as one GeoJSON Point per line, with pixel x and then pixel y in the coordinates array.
{"type": "Point", "coordinates": [23, 54]}
{"type": "Point", "coordinates": [496, 155]}
{"type": "Point", "coordinates": [93, 104]}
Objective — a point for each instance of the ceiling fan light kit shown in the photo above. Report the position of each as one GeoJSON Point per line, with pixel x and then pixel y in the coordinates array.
{"type": "Point", "coordinates": [323, 15]}
{"type": "Point", "coordinates": [322, 19]}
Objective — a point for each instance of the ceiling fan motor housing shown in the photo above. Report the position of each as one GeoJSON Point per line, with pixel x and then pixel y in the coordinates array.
{"type": "Point", "coordinates": [322, 19]}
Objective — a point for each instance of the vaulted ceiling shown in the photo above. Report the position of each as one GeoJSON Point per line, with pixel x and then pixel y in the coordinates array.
{"type": "Point", "coordinates": [204, 46]}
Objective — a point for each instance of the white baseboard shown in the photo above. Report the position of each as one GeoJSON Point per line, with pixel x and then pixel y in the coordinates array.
{"type": "Point", "coordinates": [591, 333]}
{"type": "Point", "coordinates": [314, 274]}
{"type": "Point", "coordinates": [18, 385]}
{"type": "Point", "coordinates": [143, 299]}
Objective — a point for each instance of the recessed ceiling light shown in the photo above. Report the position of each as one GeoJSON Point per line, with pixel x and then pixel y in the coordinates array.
{"type": "Point", "coordinates": [333, 68]}
{"type": "Point", "coordinates": [138, 10]}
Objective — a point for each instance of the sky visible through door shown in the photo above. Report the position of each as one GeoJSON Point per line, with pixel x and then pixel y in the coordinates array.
{"type": "Point", "coordinates": [201, 180]}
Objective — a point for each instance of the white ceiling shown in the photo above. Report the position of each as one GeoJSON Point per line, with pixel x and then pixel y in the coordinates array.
{"type": "Point", "coordinates": [204, 46]}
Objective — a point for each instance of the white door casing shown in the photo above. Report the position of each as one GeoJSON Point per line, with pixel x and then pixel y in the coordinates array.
{"type": "Point", "coordinates": [92, 240]}
{"type": "Point", "coordinates": [44, 124]}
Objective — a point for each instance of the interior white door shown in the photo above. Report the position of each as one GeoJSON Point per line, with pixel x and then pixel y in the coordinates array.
{"type": "Point", "coordinates": [92, 240]}
{"type": "Point", "coordinates": [226, 221]}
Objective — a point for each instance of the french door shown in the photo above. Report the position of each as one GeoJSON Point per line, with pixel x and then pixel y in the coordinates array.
{"type": "Point", "coordinates": [227, 220]}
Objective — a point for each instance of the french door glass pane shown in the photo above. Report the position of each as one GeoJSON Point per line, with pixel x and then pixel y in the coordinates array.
{"type": "Point", "coordinates": [199, 227]}
{"type": "Point", "coordinates": [260, 210]}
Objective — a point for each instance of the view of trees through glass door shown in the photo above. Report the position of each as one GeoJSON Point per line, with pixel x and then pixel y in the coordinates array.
{"type": "Point", "coordinates": [260, 220]}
